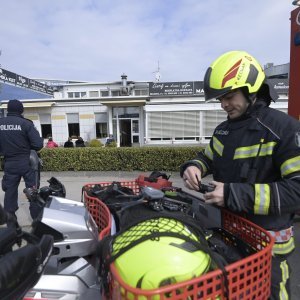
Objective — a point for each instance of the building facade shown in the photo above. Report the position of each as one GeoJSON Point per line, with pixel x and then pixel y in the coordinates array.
{"type": "Point", "coordinates": [136, 113]}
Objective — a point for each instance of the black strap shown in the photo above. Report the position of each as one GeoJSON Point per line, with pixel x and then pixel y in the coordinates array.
{"type": "Point", "coordinates": [155, 175]}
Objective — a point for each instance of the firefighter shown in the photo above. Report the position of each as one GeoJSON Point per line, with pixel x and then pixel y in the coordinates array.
{"type": "Point", "coordinates": [254, 157]}
{"type": "Point", "coordinates": [18, 137]}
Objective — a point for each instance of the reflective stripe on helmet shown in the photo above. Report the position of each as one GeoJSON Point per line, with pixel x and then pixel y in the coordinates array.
{"type": "Point", "coordinates": [262, 199]}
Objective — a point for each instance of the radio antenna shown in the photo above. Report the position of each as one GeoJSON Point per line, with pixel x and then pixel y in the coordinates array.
{"type": "Point", "coordinates": [157, 73]}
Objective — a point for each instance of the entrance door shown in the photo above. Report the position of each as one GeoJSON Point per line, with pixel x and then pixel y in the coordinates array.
{"type": "Point", "coordinates": [125, 133]}
{"type": "Point", "coordinates": [135, 132]}
{"type": "Point", "coordinates": [126, 127]}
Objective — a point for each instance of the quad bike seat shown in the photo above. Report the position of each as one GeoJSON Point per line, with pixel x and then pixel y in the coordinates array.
{"type": "Point", "coordinates": [21, 269]}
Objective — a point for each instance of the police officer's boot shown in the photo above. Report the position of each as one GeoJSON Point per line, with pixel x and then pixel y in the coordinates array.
{"type": "Point", "coordinates": [12, 220]}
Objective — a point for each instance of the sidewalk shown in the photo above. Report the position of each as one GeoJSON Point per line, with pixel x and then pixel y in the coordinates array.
{"type": "Point", "coordinates": [74, 181]}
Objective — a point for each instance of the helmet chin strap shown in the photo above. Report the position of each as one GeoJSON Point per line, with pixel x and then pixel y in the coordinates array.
{"type": "Point", "coordinates": [251, 99]}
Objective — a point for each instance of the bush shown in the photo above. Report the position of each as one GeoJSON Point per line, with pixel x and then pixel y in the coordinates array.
{"type": "Point", "coordinates": [111, 144]}
{"type": "Point", "coordinates": [117, 159]}
{"type": "Point", "coordinates": [95, 143]}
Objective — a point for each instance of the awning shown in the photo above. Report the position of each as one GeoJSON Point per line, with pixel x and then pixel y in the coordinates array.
{"type": "Point", "coordinates": [31, 105]}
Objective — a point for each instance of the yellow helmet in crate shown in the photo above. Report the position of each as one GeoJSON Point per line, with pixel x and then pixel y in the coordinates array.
{"type": "Point", "coordinates": [159, 252]}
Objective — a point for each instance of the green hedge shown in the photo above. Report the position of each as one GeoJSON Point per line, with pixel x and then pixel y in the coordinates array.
{"type": "Point", "coordinates": [116, 159]}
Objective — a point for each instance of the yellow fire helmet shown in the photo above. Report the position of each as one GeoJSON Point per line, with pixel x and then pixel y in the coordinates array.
{"type": "Point", "coordinates": [232, 70]}
{"type": "Point", "coordinates": [159, 261]}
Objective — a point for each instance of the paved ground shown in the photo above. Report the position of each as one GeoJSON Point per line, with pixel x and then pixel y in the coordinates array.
{"type": "Point", "coordinates": [74, 182]}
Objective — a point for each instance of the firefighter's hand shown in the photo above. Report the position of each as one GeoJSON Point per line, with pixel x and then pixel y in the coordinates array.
{"type": "Point", "coordinates": [217, 196]}
{"type": "Point", "coordinates": [190, 178]}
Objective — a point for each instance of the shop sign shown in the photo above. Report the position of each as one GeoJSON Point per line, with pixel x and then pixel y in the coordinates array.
{"type": "Point", "coordinates": [15, 79]}
{"type": "Point", "coordinates": [186, 88]}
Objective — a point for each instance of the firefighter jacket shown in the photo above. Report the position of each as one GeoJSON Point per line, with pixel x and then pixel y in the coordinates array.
{"type": "Point", "coordinates": [257, 157]}
{"type": "Point", "coordinates": [17, 137]}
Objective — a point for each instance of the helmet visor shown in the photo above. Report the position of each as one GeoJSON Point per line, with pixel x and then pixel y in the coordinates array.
{"type": "Point", "coordinates": [210, 92]}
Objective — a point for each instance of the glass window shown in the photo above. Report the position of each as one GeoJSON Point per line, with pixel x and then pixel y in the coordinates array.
{"type": "Point", "coordinates": [101, 130]}
{"type": "Point", "coordinates": [211, 119]}
{"type": "Point", "coordinates": [126, 112]}
{"type": "Point", "coordinates": [141, 92]}
{"type": "Point", "coordinates": [174, 125]}
{"type": "Point", "coordinates": [76, 94]}
{"type": "Point", "coordinates": [135, 126]}
{"type": "Point", "coordinates": [94, 94]}
{"type": "Point", "coordinates": [73, 130]}
{"type": "Point", "coordinates": [46, 127]}
{"type": "Point", "coordinates": [104, 93]}
{"type": "Point", "coordinates": [73, 124]}
{"type": "Point", "coordinates": [101, 117]}
{"type": "Point", "coordinates": [115, 93]}
{"type": "Point", "coordinates": [46, 130]}
{"type": "Point", "coordinates": [45, 118]}
{"type": "Point", "coordinates": [73, 118]}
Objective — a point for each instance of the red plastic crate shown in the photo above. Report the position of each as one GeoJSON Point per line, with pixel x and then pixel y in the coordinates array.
{"type": "Point", "coordinates": [99, 210]}
{"type": "Point", "coordinates": [249, 278]}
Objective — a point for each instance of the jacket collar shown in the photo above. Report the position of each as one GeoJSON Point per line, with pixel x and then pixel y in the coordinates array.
{"type": "Point", "coordinates": [15, 114]}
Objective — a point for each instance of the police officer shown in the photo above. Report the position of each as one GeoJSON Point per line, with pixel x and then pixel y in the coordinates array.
{"type": "Point", "coordinates": [254, 157]}
{"type": "Point", "coordinates": [18, 137]}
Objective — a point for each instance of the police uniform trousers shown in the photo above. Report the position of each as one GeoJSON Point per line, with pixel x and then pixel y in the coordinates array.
{"type": "Point", "coordinates": [14, 170]}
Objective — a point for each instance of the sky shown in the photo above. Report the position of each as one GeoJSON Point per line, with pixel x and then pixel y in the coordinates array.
{"type": "Point", "coordinates": [99, 40]}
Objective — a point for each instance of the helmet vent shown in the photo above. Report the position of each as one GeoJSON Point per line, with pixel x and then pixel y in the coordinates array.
{"type": "Point", "coordinates": [185, 246]}
{"type": "Point", "coordinates": [252, 76]}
